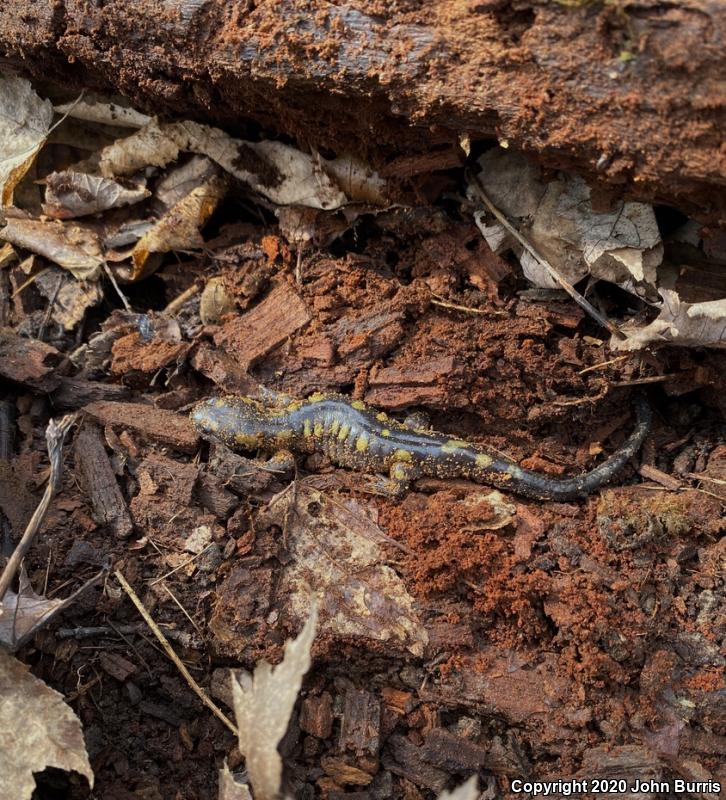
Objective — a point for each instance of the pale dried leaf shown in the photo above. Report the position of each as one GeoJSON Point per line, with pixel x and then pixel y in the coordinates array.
{"type": "Point", "coordinates": [279, 172]}
{"type": "Point", "coordinates": [148, 146]}
{"type": "Point", "coordinates": [215, 302]}
{"type": "Point", "coordinates": [621, 245]}
{"type": "Point", "coordinates": [337, 559]}
{"type": "Point", "coordinates": [76, 194]}
{"type": "Point", "coordinates": [50, 734]}
{"type": "Point", "coordinates": [25, 120]}
{"type": "Point", "coordinates": [229, 789]}
{"type": "Point", "coordinates": [263, 710]}
{"type": "Point", "coordinates": [69, 298]}
{"type": "Point", "coordinates": [679, 323]}
{"type": "Point", "coordinates": [179, 228]}
{"type": "Point", "coordinates": [22, 613]}
{"type": "Point", "coordinates": [69, 245]}
{"type": "Point", "coordinates": [181, 180]}
{"type": "Point", "coordinates": [467, 791]}
{"type": "Point", "coordinates": [94, 108]}
{"type": "Point", "coordinates": [356, 178]}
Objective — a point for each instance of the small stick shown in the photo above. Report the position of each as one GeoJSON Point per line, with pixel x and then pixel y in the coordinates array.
{"type": "Point", "coordinates": [179, 301]}
{"type": "Point", "coordinates": [551, 271]}
{"type": "Point", "coordinates": [195, 687]}
{"type": "Point", "coordinates": [110, 276]}
{"type": "Point", "coordinates": [55, 435]}
{"type": "Point", "coordinates": [467, 309]}
{"type": "Point", "coordinates": [603, 364]}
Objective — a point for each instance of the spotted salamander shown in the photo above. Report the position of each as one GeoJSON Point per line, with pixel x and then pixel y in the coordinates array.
{"type": "Point", "coordinates": [355, 436]}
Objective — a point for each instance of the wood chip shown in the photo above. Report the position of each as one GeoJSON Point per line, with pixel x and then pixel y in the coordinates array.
{"type": "Point", "coordinates": [155, 424]}
{"type": "Point", "coordinates": [116, 665]}
{"type": "Point", "coordinates": [652, 473]}
{"type": "Point", "coordinates": [453, 753]}
{"type": "Point", "coordinates": [29, 362]}
{"type": "Point", "coordinates": [407, 761]}
{"type": "Point", "coordinates": [99, 482]}
{"type": "Point", "coordinates": [74, 393]}
{"type": "Point", "coordinates": [316, 715]}
{"type": "Point", "coordinates": [361, 723]}
{"type": "Point", "coordinates": [267, 325]}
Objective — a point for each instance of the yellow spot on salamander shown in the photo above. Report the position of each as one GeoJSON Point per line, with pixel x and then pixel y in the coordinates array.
{"type": "Point", "coordinates": [294, 405]}
{"type": "Point", "coordinates": [316, 397]}
{"type": "Point", "coordinates": [361, 443]}
{"type": "Point", "coordinates": [359, 405]}
{"type": "Point", "coordinates": [212, 425]}
{"type": "Point", "coordinates": [284, 435]}
{"type": "Point", "coordinates": [319, 430]}
{"type": "Point", "coordinates": [220, 402]}
{"type": "Point", "coordinates": [307, 428]}
{"type": "Point", "coordinates": [335, 427]}
{"type": "Point", "coordinates": [381, 417]}
{"type": "Point", "coordinates": [399, 472]}
{"type": "Point", "coordinates": [483, 460]}
{"type": "Point", "coordinates": [515, 471]}
{"type": "Point", "coordinates": [245, 440]}
{"type": "Point", "coordinates": [402, 455]}
{"type": "Point", "coordinates": [453, 445]}
{"type": "Point", "coordinates": [344, 431]}
{"type": "Point", "coordinates": [385, 432]}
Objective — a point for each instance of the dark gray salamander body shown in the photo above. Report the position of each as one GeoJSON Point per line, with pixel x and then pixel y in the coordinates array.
{"type": "Point", "coordinates": [357, 437]}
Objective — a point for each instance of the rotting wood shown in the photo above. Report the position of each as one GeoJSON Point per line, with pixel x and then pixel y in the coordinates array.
{"type": "Point", "coordinates": [361, 723]}
{"type": "Point", "coordinates": [629, 93]}
{"type": "Point", "coordinates": [98, 480]}
{"type": "Point", "coordinates": [74, 393]}
{"type": "Point", "coordinates": [267, 325]}
{"type": "Point", "coordinates": [316, 715]}
{"type": "Point", "coordinates": [155, 424]}
{"type": "Point", "coordinates": [29, 362]}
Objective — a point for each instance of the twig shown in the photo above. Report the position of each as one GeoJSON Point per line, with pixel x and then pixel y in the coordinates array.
{"type": "Point", "coordinates": [602, 364]}
{"type": "Point", "coordinates": [551, 271]}
{"type": "Point", "coordinates": [180, 566]}
{"type": "Point", "coordinates": [195, 687]}
{"type": "Point", "coordinates": [110, 276]}
{"type": "Point", "coordinates": [55, 435]}
{"type": "Point", "coordinates": [179, 301]}
{"type": "Point", "coordinates": [467, 309]}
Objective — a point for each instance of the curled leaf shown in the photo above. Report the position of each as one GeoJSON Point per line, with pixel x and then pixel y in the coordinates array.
{"type": "Point", "coordinates": [71, 246]}
{"type": "Point", "coordinates": [24, 124]}
{"type": "Point", "coordinates": [76, 194]}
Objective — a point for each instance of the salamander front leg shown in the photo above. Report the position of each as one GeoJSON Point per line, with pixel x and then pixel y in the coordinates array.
{"type": "Point", "coordinates": [395, 484]}
{"type": "Point", "coordinates": [283, 461]}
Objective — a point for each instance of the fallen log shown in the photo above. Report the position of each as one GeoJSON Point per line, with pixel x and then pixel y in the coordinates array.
{"type": "Point", "coordinates": [630, 93]}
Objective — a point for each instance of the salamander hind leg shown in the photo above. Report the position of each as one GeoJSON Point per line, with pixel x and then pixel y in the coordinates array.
{"type": "Point", "coordinates": [417, 421]}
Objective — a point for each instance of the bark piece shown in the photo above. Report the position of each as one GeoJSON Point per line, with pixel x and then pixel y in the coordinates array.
{"type": "Point", "coordinates": [117, 666]}
{"type": "Point", "coordinates": [241, 475]}
{"type": "Point", "coordinates": [214, 497]}
{"type": "Point", "coordinates": [361, 723]}
{"type": "Point", "coordinates": [99, 482]}
{"type": "Point", "coordinates": [452, 753]}
{"type": "Point", "coordinates": [73, 393]}
{"type": "Point", "coordinates": [407, 761]}
{"type": "Point", "coordinates": [223, 370]}
{"type": "Point", "coordinates": [266, 326]}
{"type": "Point", "coordinates": [316, 715]}
{"type": "Point", "coordinates": [420, 383]}
{"type": "Point", "coordinates": [29, 362]}
{"type": "Point", "coordinates": [155, 424]}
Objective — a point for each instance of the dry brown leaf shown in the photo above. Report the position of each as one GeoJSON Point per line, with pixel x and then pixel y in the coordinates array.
{"type": "Point", "coordinates": [22, 613]}
{"type": "Point", "coordinates": [25, 120]}
{"type": "Point", "coordinates": [337, 558]}
{"type": "Point", "coordinates": [360, 183]}
{"type": "Point", "coordinates": [621, 245]}
{"type": "Point", "coordinates": [179, 228]}
{"type": "Point", "coordinates": [76, 194]}
{"type": "Point", "coordinates": [69, 245]}
{"type": "Point", "coordinates": [679, 323]}
{"type": "Point", "coordinates": [263, 707]}
{"type": "Point", "coordinates": [50, 734]}
{"type": "Point", "coordinates": [181, 180]}
{"type": "Point", "coordinates": [69, 299]}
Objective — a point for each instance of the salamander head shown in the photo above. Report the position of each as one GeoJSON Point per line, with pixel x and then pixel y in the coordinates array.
{"type": "Point", "coordinates": [231, 421]}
